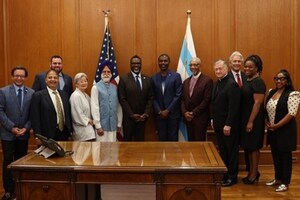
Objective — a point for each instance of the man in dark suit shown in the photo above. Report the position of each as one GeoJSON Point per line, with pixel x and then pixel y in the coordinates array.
{"type": "Point", "coordinates": [196, 97]}
{"type": "Point", "coordinates": [167, 89]}
{"type": "Point", "coordinates": [50, 111]}
{"type": "Point", "coordinates": [225, 98]}
{"type": "Point", "coordinates": [15, 100]}
{"type": "Point", "coordinates": [236, 61]}
{"type": "Point", "coordinates": [135, 96]}
{"type": "Point", "coordinates": [65, 81]}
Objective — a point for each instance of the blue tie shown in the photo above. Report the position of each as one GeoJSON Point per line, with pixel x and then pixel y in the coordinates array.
{"type": "Point", "coordinates": [20, 97]}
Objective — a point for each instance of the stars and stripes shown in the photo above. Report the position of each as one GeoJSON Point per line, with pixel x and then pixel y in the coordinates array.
{"type": "Point", "coordinates": [107, 57]}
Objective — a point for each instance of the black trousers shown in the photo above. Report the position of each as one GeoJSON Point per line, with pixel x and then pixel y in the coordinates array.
{"type": "Point", "coordinates": [12, 150]}
{"type": "Point", "coordinates": [282, 165]}
{"type": "Point", "coordinates": [229, 152]}
{"type": "Point", "coordinates": [167, 128]}
{"type": "Point", "coordinates": [133, 131]}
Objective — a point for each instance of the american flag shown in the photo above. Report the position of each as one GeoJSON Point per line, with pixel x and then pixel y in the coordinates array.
{"type": "Point", "coordinates": [107, 57]}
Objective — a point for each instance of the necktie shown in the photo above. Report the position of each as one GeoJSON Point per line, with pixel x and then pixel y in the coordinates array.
{"type": "Point", "coordinates": [138, 84]}
{"type": "Point", "coordinates": [61, 82]}
{"type": "Point", "coordinates": [60, 115]}
{"type": "Point", "coordinates": [192, 85]}
{"type": "Point", "coordinates": [20, 97]}
{"type": "Point", "coordinates": [239, 82]}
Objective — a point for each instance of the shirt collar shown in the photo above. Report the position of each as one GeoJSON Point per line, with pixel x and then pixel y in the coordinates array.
{"type": "Point", "coordinates": [234, 73]}
{"type": "Point", "coordinates": [134, 74]}
{"type": "Point", "coordinates": [17, 87]}
{"type": "Point", "coordinates": [51, 91]}
{"type": "Point", "coordinates": [197, 76]}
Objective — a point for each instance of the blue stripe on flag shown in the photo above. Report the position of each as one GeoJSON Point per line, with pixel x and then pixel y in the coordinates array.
{"type": "Point", "coordinates": [186, 54]}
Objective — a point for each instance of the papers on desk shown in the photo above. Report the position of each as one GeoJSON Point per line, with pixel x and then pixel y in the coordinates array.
{"type": "Point", "coordinates": [44, 151]}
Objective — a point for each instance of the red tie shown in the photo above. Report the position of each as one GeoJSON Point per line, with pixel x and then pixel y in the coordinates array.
{"type": "Point", "coordinates": [239, 82]}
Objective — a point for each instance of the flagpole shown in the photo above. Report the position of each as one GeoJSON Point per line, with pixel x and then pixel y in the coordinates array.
{"type": "Point", "coordinates": [186, 54]}
{"type": "Point", "coordinates": [106, 13]}
{"type": "Point", "coordinates": [189, 12]}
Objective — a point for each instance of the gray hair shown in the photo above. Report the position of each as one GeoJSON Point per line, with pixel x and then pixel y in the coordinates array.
{"type": "Point", "coordinates": [222, 62]}
{"type": "Point", "coordinates": [78, 76]}
{"type": "Point", "coordinates": [236, 53]}
{"type": "Point", "coordinates": [196, 59]}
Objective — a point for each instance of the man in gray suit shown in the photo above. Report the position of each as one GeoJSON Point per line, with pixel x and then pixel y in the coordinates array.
{"type": "Point", "coordinates": [15, 100]}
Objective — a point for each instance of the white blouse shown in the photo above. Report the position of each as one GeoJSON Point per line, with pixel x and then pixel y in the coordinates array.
{"type": "Point", "coordinates": [81, 114]}
{"type": "Point", "coordinates": [293, 105]}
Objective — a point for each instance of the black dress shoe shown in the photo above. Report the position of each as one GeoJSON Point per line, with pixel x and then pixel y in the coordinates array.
{"type": "Point", "coordinates": [229, 182]}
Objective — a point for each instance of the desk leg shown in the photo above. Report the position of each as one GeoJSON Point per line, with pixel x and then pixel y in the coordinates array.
{"type": "Point", "coordinates": [98, 192]}
{"type": "Point", "coordinates": [159, 191]}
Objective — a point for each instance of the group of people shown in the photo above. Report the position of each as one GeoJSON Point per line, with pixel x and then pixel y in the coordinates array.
{"type": "Point", "coordinates": [242, 109]}
{"type": "Point", "coordinates": [237, 105]}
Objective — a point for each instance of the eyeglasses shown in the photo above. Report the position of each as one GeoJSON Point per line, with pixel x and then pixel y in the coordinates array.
{"type": "Point", "coordinates": [279, 78]}
{"type": "Point", "coordinates": [194, 64]}
{"type": "Point", "coordinates": [19, 76]}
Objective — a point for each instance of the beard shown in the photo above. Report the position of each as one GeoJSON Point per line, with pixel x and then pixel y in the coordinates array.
{"type": "Point", "coordinates": [106, 79]}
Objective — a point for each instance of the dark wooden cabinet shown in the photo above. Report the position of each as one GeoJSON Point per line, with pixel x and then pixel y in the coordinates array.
{"type": "Point", "coordinates": [45, 191]}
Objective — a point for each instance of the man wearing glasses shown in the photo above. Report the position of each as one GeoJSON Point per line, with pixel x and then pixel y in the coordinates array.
{"type": "Point", "coordinates": [196, 97]}
{"type": "Point", "coordinates": [15, 100]}
{"type": "Point", "coordinates": [135, 96]}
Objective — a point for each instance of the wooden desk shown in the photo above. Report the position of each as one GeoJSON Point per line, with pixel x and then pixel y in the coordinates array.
{"type": "Point", "coordinates": [180, 170]}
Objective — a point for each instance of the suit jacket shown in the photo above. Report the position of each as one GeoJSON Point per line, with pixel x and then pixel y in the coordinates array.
{"type": "Point", "coordinates": [225, 101]}
{"type": "Point", "coordinates": [244, 81]}
{"type": "Point", "coordinates": [11, 114]}
{"type": "Point", "coordinates": [170, 99]}
{"type": "Point", "coordinates": [243, 76]}
{"type": "Point", "coordinates": [43, 114]}
{"type": "Point", "coordinates": [40, 84]}
{"type": "Point", "coordinates": [199, 102]}
{"type": "Point", "coordinates": [132, 99]}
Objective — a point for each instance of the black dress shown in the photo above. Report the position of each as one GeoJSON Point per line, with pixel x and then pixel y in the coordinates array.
{"type": "Point", "coordinates": [254, 139]}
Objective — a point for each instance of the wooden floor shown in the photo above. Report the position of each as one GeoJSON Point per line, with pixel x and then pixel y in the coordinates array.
{"type": "Point", "coordinates": [238, 191]}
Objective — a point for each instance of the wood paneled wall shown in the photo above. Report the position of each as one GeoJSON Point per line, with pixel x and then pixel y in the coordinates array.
{"type": "Point", "coordinates": [31, 31]}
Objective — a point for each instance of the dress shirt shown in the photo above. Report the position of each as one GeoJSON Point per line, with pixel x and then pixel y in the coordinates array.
{"type": "Point", "coordinates": [139, 77]}
{"type": "Point", "coordinates": [53, 98]}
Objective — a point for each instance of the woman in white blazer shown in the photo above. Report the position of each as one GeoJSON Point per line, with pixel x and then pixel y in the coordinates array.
{"type": "Point", "coordinates": [82, 121]}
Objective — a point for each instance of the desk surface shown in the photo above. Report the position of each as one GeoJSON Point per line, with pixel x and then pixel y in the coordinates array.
{"type": "Point", "coordinates": [180, 170]}
{"type": "Point", "coordinates": [129, 155]}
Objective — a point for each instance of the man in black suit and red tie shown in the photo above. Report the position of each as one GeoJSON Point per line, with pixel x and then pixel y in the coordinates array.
{"type": "Point", "coordinates": [135, 96]}
{"type": "Point", "coordinates": [50, 112]}
{"type": "Point", "coordinates": [236, 61]}
{"type": "Point", "coordinates": [225, 97]}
